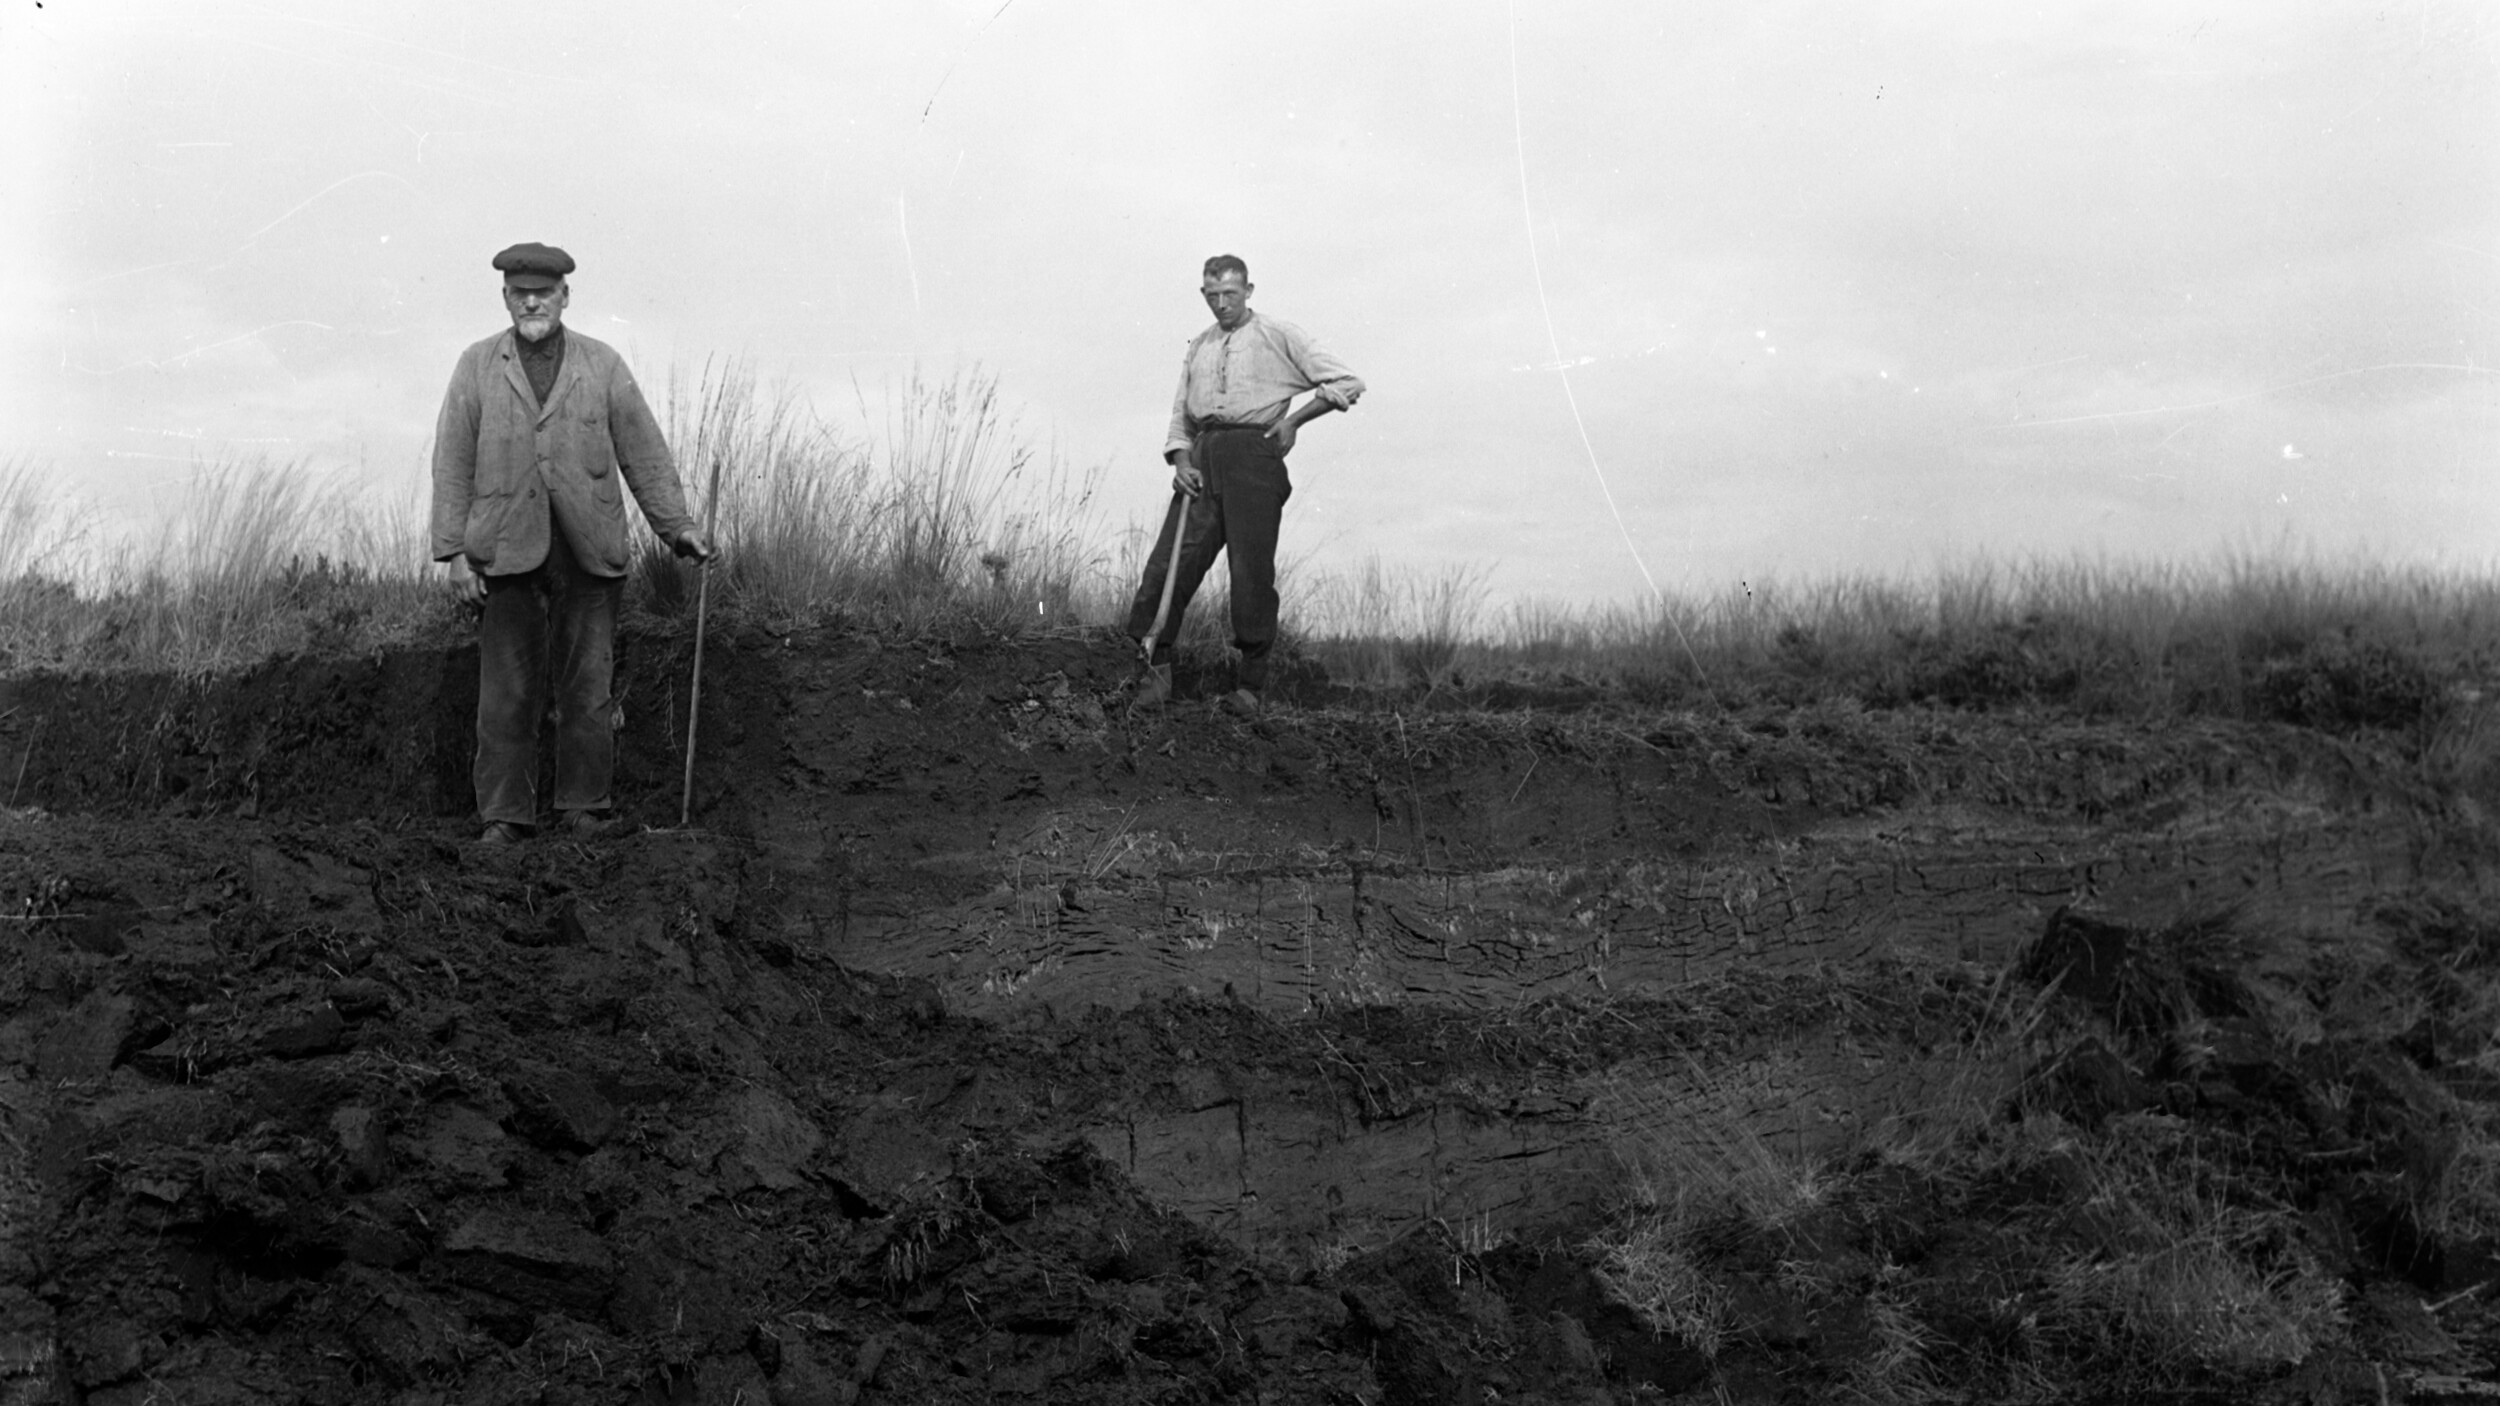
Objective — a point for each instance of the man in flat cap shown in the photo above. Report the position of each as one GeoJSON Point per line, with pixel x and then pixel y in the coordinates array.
{"type": "Point", "coordinates": [1233, 423]}
{"type": "Point", "coordinates": [538, 427]}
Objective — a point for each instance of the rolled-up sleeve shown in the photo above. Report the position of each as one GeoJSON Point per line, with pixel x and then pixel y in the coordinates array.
{"type": "Point", "coordinates": [1325, 376]}
{"type": "Point", "coordinates": [1249, 376]}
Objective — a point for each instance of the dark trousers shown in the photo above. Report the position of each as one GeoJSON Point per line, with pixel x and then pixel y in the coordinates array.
{"type": "Point", "coordinates": [1239, 515]}
{"type": "Point", "coordinates": [551, 627]}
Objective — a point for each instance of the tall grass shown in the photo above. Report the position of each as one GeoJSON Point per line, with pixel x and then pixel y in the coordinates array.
{"type": "Point", "coordinates": [2334, 644]}
{"type": "Point", "coordinates": [945, 512]}
{"type": "Point", "coordinates": [1377, 622]}
{"type": "Point", "coordinates": [938, 512]}
{"type": "Point", "coordinates": [2074, 629]}
{"type": "Point", "coordinates": [37, 529]}
{"type": "Point", "coordinates": [249, 560]}
{"type": "Point", "coordinates": [932, 507]}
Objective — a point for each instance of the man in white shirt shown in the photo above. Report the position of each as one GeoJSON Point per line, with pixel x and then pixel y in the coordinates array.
{"type": "Point", "coordinates": [1233, 423]}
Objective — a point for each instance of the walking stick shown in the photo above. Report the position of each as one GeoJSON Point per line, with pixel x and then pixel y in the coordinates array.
{"type": "Point", "coordinates": [702, 600]}
{"type": "Point", "coordinates": [1171, 572]}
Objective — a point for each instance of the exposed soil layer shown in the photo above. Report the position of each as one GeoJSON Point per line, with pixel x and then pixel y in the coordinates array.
{"type": "Point", "coordinates": [982, 1041]}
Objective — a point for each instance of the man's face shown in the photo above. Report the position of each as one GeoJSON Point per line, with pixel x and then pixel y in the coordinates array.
{"type": "Point", "coordinates": [1228, 297]}
{"type": "Point", "coordinates": [536, 311]}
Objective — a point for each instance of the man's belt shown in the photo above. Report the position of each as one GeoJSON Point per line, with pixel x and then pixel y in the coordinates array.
{"type": "Point", "coordinates": [1208, 428]}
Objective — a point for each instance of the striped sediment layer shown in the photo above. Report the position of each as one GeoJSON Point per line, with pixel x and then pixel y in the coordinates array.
{"type": "Point", "coordinates": [1295, 932]}
{"type": "Point", "coordinates": [1102, 906]}
{"type": "Point", "coordinates": [299, 1084]}
{"type": "Point", "coordinates": [1314, 866]}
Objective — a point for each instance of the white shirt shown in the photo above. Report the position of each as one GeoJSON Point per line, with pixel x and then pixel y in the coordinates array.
{"type": "Point", "coordinates": [1250, 375]}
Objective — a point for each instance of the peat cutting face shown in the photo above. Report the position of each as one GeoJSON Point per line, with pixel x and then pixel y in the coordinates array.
{"type": "Point", "coordinates": [982, 1040]}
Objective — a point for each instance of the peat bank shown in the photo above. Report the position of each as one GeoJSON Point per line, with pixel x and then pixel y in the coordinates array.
{"type": "Point", "coordinates": [981, 1041]}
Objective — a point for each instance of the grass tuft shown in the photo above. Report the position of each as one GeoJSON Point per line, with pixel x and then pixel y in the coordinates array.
{"type": "Point", "coordinates": [1645, 1262]}
{"type": "Point", "coordinates": [2180, 1267]}
{"type": "Point", "coordinates": [946, 515]}
{"type": "Point", "coordinates": [1378, 625]}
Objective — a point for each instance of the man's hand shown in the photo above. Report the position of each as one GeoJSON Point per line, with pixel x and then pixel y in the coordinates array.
{"type": "Point", "coordinates": [1186, 478]}
{"type": "Point", "coordinates": [1281, 436]}
{"type": "Point", "coordinates": [691, 543]}
{"type": "Point", "coordinates": [467, 586]}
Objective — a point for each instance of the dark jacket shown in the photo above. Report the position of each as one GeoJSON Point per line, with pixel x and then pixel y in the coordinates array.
{"type": "Point", "coordinates": [501, 459]}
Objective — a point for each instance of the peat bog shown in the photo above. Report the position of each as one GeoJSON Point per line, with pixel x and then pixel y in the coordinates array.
{"type": "Point", "coordinates": [983, 1041]}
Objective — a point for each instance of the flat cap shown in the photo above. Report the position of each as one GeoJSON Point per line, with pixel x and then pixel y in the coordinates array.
{"type": "Point", "coordinates": [534, 265]}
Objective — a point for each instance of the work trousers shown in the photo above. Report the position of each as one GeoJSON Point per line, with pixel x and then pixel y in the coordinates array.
{"type": "Point", "coordinates": [550, 629]}
{"type": "Point", "coordinates": [1238, 514]}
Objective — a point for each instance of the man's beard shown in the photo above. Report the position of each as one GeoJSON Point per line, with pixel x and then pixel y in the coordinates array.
{"type": "Point", "coordinates": [535, 329]}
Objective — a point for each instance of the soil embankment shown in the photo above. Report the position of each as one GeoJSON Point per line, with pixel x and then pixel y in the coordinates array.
{"type": "Point", "coordinates": [982, 1042]}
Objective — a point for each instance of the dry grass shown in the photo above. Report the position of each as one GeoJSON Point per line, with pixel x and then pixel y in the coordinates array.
{"type": "Point", "coordinates": [1376, 624]}
{"type": "Point", "coordinates": [251, 560]}
{"type": "Point", "coordinates": [2340, 645]}
{"type": "Point", "coordinates": [1647, 1264]}
{"type": "Point", "coordinates": [2463, 1204]}
{"type": "Point", "coordinates": [2152, 1262]}
{"type": "Point", "coordinates": [2182, 1269]}
{"type": "Point", "coordinates": [2148, 1249]}
{"type": "Point", "coordinates": [1707, 1166]}
{"type": "Point", "coordinates": [1701, 1156]}
{"type": "Point", "coordinates": [2335, 644]}
{"type": "Point", "coordinates": [944, 514]}
{"type": "Point", "coordinates": [1900, 1363]}
{"type": "Point", "coordinates": [37, 530]}
{"type": "Point", "coordinates": [1699, 1170]}
{"type": "Point", "coordinates": [932, 508]}
{"type": "Point", "coordinates": [2135, 611]}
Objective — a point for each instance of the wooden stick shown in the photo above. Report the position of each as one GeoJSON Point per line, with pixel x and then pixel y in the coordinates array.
{"type": "Point", "coordinates": [702, 602]}
{"type": "Point", "coordinates": [1171, 571]}
{"type": "Point", "coordinates": [32, 736]}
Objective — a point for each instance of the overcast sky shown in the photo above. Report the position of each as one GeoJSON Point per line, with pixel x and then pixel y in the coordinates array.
{"type": "Point", "coordinates": [1830, 287]}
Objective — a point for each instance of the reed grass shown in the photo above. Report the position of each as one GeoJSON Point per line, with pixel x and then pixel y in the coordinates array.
{"type": "Point", "coordinates": [946, 514]}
